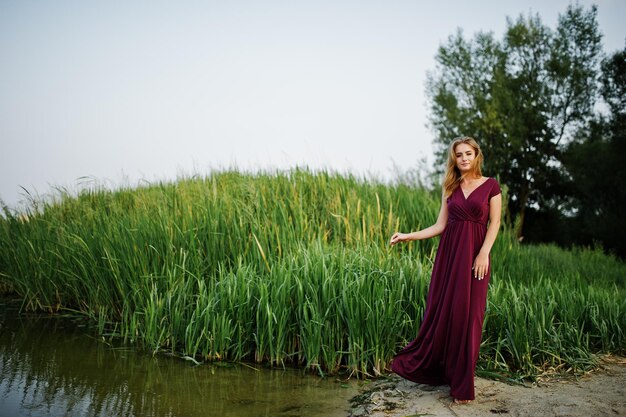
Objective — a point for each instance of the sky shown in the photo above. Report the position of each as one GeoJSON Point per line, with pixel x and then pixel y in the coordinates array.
{"type": "Point", "coordinates": [117, 93]}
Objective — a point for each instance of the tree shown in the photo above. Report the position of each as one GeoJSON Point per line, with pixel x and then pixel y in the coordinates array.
{"type": "Point", "coordinates": [522, 98]}
{"type": "Point", "coordinates": [594, 160]}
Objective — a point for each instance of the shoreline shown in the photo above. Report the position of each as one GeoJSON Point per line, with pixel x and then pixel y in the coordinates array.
{"type": "Point", "coordinates": [601, 392]}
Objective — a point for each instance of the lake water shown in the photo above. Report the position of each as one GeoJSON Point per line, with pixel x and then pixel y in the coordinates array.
{"type": "Point", "coordinates": [51, 367]}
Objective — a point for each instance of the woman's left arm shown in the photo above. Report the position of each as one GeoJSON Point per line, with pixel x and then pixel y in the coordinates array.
{"type": "Point", "coordinates": [481, 263]}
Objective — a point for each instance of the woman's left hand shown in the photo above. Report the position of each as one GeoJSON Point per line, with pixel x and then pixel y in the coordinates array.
{"type": "Point", "coordinates": [481, 265]}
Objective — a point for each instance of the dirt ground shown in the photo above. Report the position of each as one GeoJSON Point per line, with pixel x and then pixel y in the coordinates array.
{"type": "Point", "coordinates": [598, 393]}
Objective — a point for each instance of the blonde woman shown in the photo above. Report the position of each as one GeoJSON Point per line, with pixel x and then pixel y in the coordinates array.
{"type": "Point", "coordinates": [447, 344]}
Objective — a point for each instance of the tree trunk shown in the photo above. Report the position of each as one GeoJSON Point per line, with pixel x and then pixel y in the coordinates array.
{"type": "Point", "coordinates": [523, 200]}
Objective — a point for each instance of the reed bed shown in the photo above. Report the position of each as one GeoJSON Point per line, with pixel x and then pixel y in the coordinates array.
{"type": "Point", "coordinates": [295, 268]}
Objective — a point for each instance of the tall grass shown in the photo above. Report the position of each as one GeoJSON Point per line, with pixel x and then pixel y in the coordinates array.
{"type": "Point", "coordinates": [295, 268]}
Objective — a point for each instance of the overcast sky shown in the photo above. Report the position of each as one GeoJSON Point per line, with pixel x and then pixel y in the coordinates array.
{"type": "Point", "coordinates": [126, 91]}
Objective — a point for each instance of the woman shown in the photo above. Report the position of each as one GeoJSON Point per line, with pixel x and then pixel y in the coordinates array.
{"type": "Point", "coordinates": [446, 348]}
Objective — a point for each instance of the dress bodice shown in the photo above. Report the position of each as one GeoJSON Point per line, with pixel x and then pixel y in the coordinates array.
{"type": "Point", "coordinates": [474, 207]}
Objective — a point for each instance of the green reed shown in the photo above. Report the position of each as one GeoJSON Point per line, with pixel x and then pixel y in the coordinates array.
{"type": "Point", "coordinates": [295, 268]}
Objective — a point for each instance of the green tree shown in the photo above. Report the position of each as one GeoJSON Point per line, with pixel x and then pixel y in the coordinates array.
{"type": "Point", "coordinates": [595, 165]}
{"type": "Point", "coordinates": [522, 98]}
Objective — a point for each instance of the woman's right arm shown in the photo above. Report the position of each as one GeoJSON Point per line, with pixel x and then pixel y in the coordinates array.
{"type": "Point", "coordinates": [434, 230]}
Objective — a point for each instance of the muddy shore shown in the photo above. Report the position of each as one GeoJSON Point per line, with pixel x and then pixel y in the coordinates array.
{"type": "Point", "coordinates": [601, 392]}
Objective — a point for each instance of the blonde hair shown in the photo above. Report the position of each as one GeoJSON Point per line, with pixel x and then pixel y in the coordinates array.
{"type": "Point", "coordinates": [453, 176]}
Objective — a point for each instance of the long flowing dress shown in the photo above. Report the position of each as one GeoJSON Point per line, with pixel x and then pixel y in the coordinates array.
{"type": "Point", "coordinates": [446, 348]}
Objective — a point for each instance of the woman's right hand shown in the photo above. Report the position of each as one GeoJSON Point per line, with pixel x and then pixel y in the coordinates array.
{"type": "Point", "coordinates": [398, 237]}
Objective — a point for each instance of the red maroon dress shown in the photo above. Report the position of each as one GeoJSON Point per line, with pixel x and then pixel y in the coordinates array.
{"type": "Point", "coordinates": [446, 348]}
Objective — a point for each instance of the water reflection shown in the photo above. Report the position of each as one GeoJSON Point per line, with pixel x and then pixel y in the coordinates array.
{"type": "Point", "coordinates": [49, 367]}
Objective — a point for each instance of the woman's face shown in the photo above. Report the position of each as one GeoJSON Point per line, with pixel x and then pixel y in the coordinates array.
{"type": "Point", "coordinates": [465, 155]}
